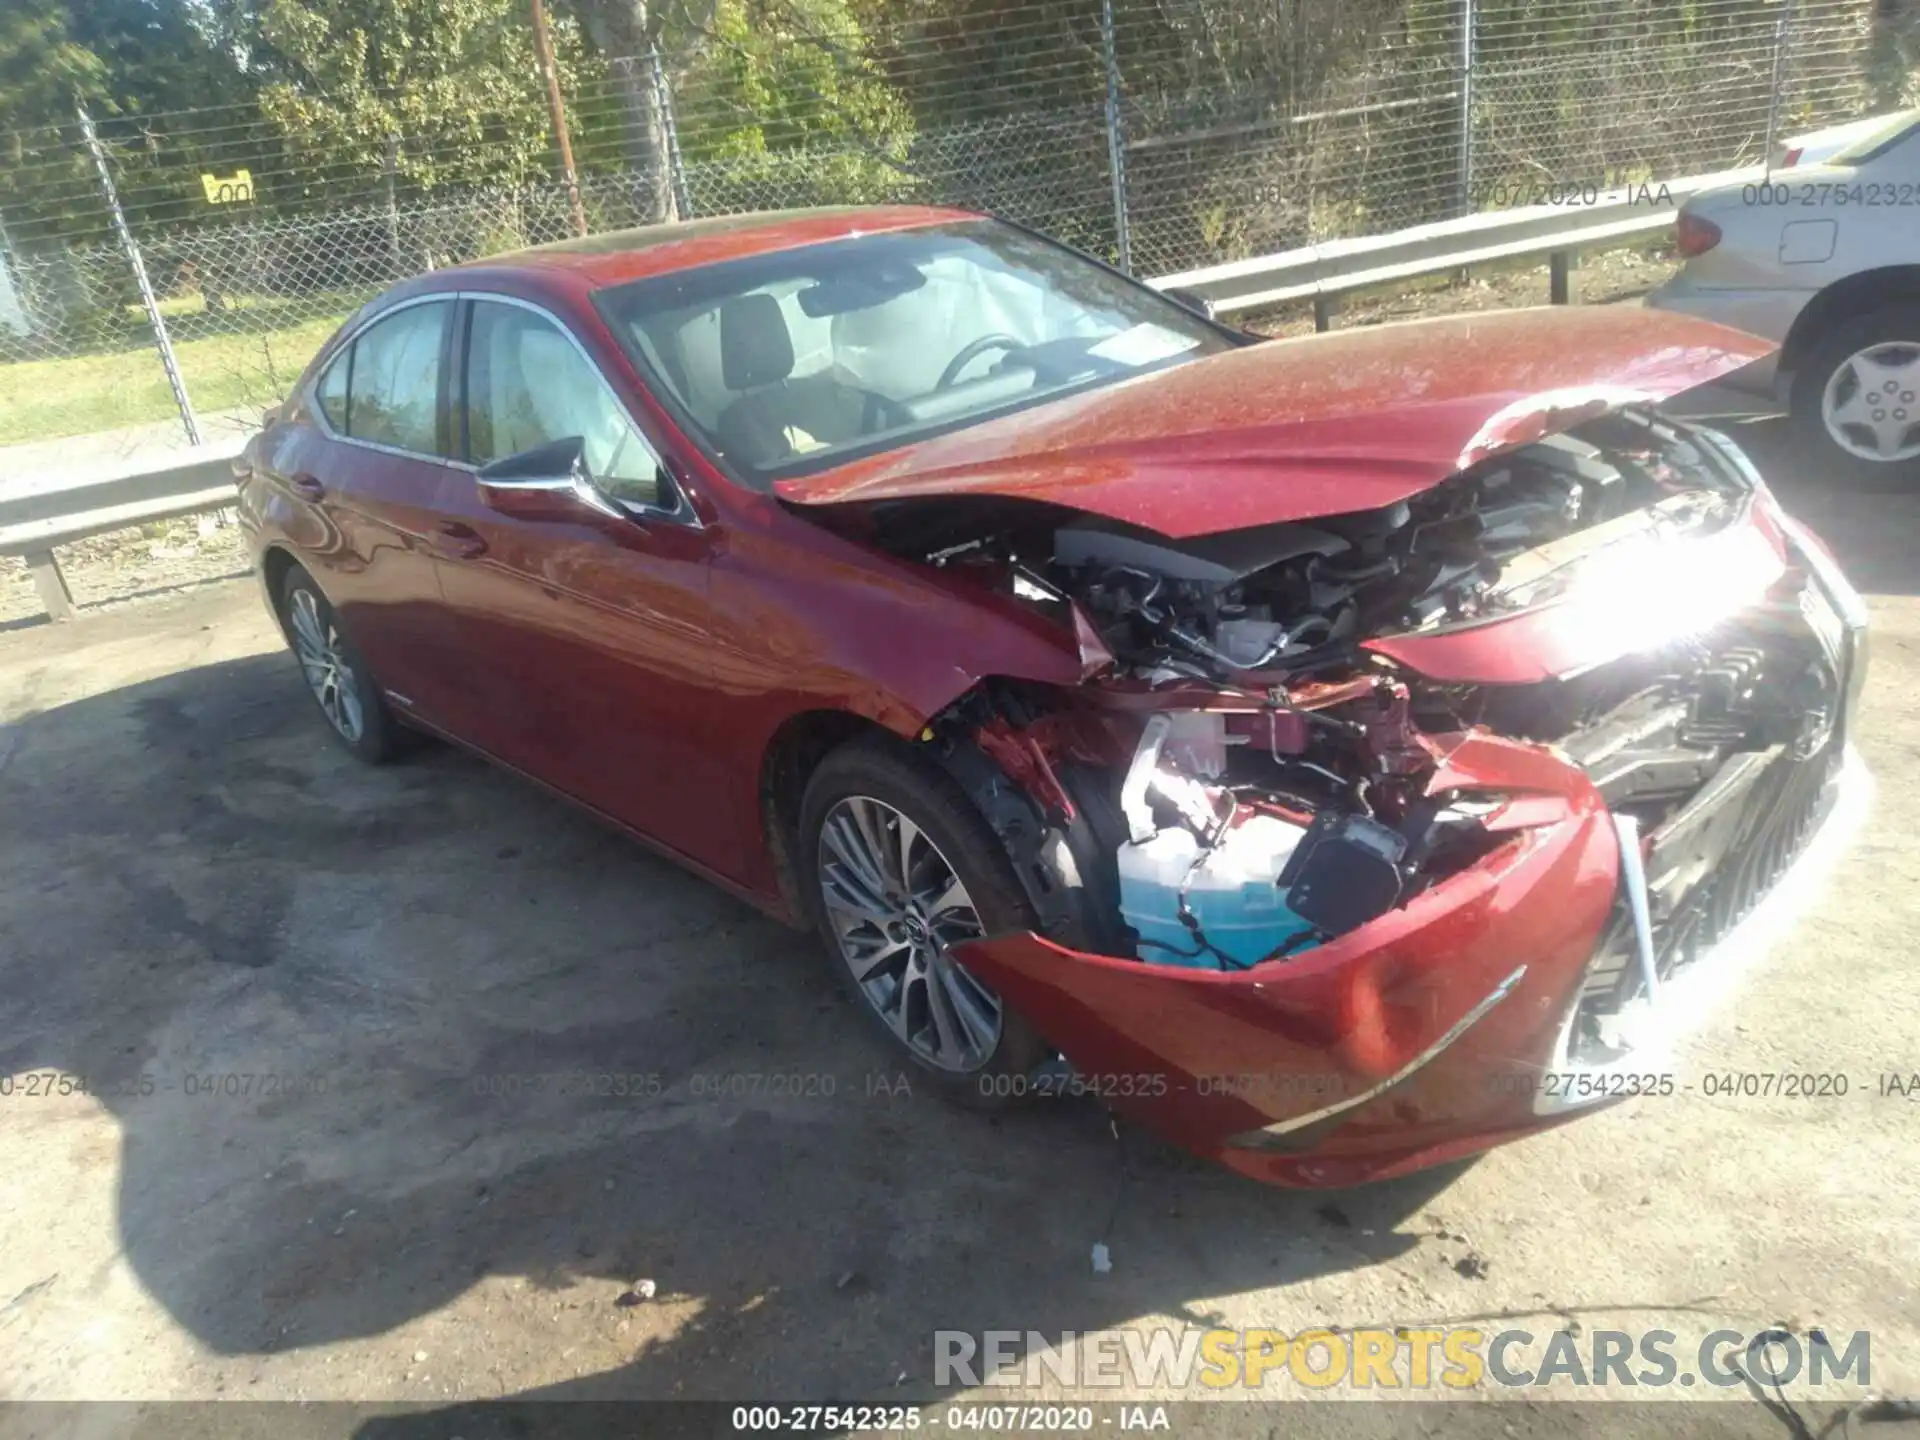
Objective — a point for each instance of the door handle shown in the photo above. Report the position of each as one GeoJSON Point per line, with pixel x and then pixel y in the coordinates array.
{"type": "Point", "coordinates": [307, 487]}
{"type": "Point", "coordinates": [458, 540]}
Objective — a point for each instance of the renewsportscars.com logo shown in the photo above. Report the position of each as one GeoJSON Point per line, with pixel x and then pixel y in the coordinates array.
{"type": "Point", "coordinates": [1451, 1358]}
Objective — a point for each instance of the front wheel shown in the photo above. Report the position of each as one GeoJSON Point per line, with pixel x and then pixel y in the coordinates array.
{"type": "Point", "coordinates": [336, 675]}
{"type": "Point", "coordinates": [1856, 400]}
{"type": "Point", "coordinates": [899, 867]}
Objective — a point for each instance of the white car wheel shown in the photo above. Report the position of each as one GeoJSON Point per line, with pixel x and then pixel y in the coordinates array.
{"type": "Point", "coordinates": [1871, 403]}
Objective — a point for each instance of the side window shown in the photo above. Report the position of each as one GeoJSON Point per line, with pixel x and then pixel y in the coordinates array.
{"type": "Point", "coordinates": [528, 384]}
{"type": "Point", "coordinates": [395, 379]}
{"type": "Point", "coordinates": [331, 393]}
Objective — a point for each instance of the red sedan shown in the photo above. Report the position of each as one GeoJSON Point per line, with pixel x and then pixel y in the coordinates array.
{"type": "Point", "coordinates": [1339, 754]}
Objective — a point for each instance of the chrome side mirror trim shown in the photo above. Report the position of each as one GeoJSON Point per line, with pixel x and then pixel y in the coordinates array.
{"type": "Point", "coordinates": [558, 467]}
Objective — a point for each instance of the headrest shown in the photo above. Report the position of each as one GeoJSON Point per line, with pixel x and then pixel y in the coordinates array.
{"type": "Point", "coordinates": [755, 348]}
{"type": "Point", "coordinates": [543, 351]}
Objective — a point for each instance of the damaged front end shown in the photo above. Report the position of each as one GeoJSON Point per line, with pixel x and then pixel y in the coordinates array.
{"type": "Point", "coordinates": [1380, 837]}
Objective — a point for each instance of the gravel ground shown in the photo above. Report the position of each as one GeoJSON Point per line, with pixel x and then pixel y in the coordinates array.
{"type": "Point", "coordinates": [420, 1205]}
{"type": "Point", "coordinates": [110, 570]}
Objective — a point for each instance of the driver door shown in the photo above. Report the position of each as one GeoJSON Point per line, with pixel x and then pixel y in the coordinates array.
{"type": "Point", "coordinates": [586, 642]}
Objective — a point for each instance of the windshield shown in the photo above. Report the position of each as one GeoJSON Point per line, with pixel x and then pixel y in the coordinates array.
{"type": "Point", "coordinates": [798, 360]}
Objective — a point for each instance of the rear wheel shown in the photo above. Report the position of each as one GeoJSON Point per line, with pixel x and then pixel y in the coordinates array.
{"type": "Point", "coordinates": [898, 868]}
{"type": "Point", "coordinates": [336, 675]}
{"type": "Point", "coordinates": [1856, 399]}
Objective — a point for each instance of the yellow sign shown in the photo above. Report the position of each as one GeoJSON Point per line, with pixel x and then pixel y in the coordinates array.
{"type": "Point", "coordinates": [237, 186]}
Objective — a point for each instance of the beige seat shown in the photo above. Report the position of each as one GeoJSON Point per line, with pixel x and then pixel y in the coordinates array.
{"type": "Point", "coordinates": [777, 414]}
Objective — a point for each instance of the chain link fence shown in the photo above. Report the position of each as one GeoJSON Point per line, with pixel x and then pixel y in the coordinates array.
{"type": "Point", "coordinates": [1160, 134]}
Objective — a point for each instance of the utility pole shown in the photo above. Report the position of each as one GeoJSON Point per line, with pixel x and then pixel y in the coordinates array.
{"type": "Point", "coordinates": [543, 48]}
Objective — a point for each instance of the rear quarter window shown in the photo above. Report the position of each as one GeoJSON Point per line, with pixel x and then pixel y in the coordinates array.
{"type": "Point", "coordinates": [393, 392]}
{"type": "Point", "coordinates": [330, 391]}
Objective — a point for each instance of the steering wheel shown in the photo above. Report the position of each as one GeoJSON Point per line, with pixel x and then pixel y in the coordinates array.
{"type": "Point", "coordinates": [972, 351]}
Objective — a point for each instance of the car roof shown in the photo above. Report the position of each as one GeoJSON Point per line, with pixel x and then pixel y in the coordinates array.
{"type": "Point", "coordinates": [613, 258]}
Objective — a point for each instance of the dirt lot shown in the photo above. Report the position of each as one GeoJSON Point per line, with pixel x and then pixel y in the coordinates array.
{"type": "Point", "coordinates": [196, 883]}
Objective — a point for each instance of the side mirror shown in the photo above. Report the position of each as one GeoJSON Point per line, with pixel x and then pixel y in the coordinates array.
{"type": "Point", "coordinates": [1193, 300]}
{"type": "Point", "coordinates": [548, 482]}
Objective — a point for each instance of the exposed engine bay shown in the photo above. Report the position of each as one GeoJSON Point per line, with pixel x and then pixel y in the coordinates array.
{"type": "Point", "coordinates": [1294, 595]}
{"type": "Point", "coordinates": [1248, 773]}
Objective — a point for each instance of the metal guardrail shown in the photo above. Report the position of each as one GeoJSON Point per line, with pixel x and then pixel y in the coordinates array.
{"type": "Point", "coordinates": [34, 521]}
{"type": "Point", "coordinates": [1322, 272]}
{"type": "Point", "coordinates": [33, 524]}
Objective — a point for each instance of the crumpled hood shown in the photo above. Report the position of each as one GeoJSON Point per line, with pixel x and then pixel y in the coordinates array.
{"type": "Point", "coordinates": [1293, 429]}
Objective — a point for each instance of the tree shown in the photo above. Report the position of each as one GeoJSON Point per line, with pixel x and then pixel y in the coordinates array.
{"type": "Point", "coordinates": [42, 67]}
{"type": "Point", "coordinates": [787, 94]}
{"type": "Point", "coordinates": [452, 81]}
{"type": "Point", "coordinates": [139, 66]}
{"type": "Point", "coordinates": [783, 74]}
{"type": "Point", "coordinates": [627, 33]}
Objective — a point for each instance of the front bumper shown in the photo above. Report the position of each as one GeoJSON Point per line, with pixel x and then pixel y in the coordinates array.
{"type": "Point", "coordinates": [1652, 1025]}
{"type": "Point", "coordinates": [1446, 1026]}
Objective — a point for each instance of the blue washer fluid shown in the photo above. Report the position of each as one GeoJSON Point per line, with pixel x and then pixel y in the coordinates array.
{"type": "Point", "coordinates": [1234, 895]}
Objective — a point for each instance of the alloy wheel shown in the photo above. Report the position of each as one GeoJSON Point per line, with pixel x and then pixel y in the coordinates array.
{"type": "Point", "coordinates": [317, 644]}
{"type": "Point", "coordinates": [896, 906]}
{"type": "Point", "coordinates": [1871, 405]}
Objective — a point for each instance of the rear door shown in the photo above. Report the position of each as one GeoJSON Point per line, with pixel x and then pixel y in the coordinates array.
{"type": "Point", "coordinates": [589, 644]}
{"type": "Point", "coordinates": [366, 483]}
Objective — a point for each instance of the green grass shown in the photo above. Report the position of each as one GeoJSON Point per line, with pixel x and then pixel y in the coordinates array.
{"type": "Point", "coordinates": [52, 399]}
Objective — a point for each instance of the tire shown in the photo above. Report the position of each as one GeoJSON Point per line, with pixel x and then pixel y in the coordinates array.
{"type": "Point", "coordinates": [1833, 368]}
{"type": "Point", "coordinates": [853, 790]}
{"type": "Point", "coordinates": [352, 704]}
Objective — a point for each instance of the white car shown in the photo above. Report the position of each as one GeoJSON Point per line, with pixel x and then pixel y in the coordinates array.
{"type": "Point", "coordinates": [1823, 256]}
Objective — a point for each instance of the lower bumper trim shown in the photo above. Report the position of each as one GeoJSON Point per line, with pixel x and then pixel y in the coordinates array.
{"type": "Point", "coordinates": [1268, 1135]}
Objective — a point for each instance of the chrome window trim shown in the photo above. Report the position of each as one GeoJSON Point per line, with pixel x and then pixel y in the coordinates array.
{"type": "Point", "coordinates": [681, 512]}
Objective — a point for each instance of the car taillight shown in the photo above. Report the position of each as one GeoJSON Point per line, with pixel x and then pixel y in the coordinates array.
{"type": "Point", "coordinates": [1695, 236]}
{"type": "Point", "coordinates": [1792, 158]}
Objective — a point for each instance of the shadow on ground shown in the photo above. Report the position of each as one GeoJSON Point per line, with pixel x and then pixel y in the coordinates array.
{"type": "Point", "coordinates": [419, 975]}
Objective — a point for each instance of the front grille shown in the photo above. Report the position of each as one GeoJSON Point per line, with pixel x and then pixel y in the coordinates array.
{"type": "Point", "coordinates": [1706, 871]}
{"type": "Point", "coordinates": [1771, 704]}
{"type": "Point", "coordinates": [1786, 809]}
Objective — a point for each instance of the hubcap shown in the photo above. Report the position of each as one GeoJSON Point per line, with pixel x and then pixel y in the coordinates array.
{"type": "Point", "coordinates": [329, 673]}
{"type": "Point", "coordinates": [1872, 403]}
{"type": "Point", "coordinates": [896, 907]}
